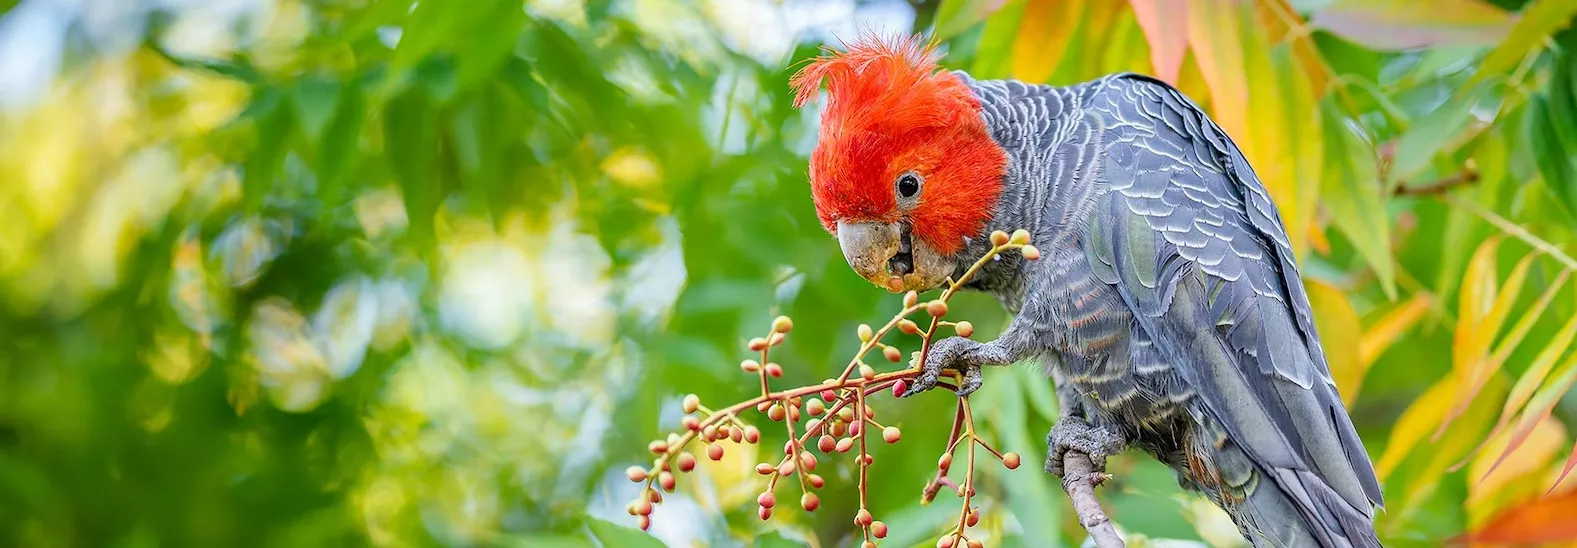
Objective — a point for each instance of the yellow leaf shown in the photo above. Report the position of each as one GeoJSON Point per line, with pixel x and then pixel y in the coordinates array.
{"type": "Point", "coordinates": [1474, 363]}
{"type": "Point", "coordinates": [1390, 328]}
{"type": "Point", "coordinates": [1474, 301]}
{"type": "Point", "coordinates": [1044, 34]}
{"type": "Point", "coordinates": [1215, 39]}
{"type": "Point", "coordinates": [1338, 327]}
{"type": "Point", "coordinates": [1415, 423]}
{"type": "Point", "coordinates": [1536, 373]}
{"type": "Point", "coordinates": [1488, 490]}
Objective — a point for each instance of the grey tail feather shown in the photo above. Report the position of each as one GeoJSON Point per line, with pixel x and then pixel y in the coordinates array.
{"type": "Point", "coordinates": [1296, 509]}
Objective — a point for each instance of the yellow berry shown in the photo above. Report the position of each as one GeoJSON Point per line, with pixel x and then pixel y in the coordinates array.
{"type": "Point", "coordinates": [964, 329]}
{"type": "Point", "coordinates": [782, 324]}
{"type": "Point", "coordinates": [936, 308]}
{"type": "Point", "coordinates": [1019, 237]}
{"type": "Point", "coordinates": [999, 238]}
{"type": "Point", "coordinates": [865, 332]}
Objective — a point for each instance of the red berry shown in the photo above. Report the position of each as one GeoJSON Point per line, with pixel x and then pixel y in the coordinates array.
{"type": "Point", "coordinates": [787, 468]}
{"type": "Point", "coordinates": [764, 512]}
{"type": "Point", "coordinates": [774, 370]}
{"type": "Point", "coordinates": [844, 445]}
{"type": "Point", "coordinates": [869, 459]}
{"type": "Point", "coordinates": [666, 479]}
{"type": "Point", "coordinates": [826, 444]}
{"type": "Point", "coordinates": [867, 372]}
{"type": "Point", "coordinates": [892, 354]}
{"type": "Point", "coordinates": [945, 542]}
{"type": "Point", "coordinates": [809, 501]}
{"type": "Point", "coordinates": [643, 508]}
{"type": "Point", "coordinates": [807, 461]}
{"type": "Point", "coordinates": [765, 469]}
{"type": "Point", "coordinates": [945, 461]}
{"type": "Point", "coordinates": [736, 433]}
{"type": "Point", "coordinates": [816, 481]}
{"type": "Point", "coordinates": [879, 529]}
{"type": "Point", "coordinates": [862, 518]}
{"type": "Point", "coordinates": [828, 394]}
{"type": "Point", "coordinates": [644, 522]}
{"type": "Point", "coordinates": [975, 543]}
{"type": "Point", "coordinates": [766, 499]}
{"type": "Point", "coordinates": [714, 451]}
{"type": "Point", "coordinates": [690, 423]}
{"type": "Point", "coordinates": [890, 434]}
{"type": "Point", "coordinates": [752, 434]}
{"type": "Point", "coordinates": [659, 447]}
{"type": "Point", "coordinates": [635, 473]}
{"type": "Point", "coordinates": [758, 344]}
{"type": "Point", "coordinates": [900, 387]}
{"type": "Point", "coordinates": [686, 462]}
{"type": "Point", "coordinates": [973, 518]}
{"type": "Point", "coordinates": [1010, 460]}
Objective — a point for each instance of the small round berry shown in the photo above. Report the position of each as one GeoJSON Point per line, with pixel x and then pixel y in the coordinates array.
{"type": "Point", "coordinates": [809, 501]}
{"type": "Point", "coordinates": [839, 429]}
{"type": "Point", "coordinates": [878, 529]}
{"type": "Point", "coordinates": [758, 344]}
{"type": "Point", "coordinates": [643, 507]}
{"type": "Point", "coordinates": [870, 412]}
{"type": "Point", "coordinates": [644, 522]}
{"type": "Point", "coordinates": [870, 459]}
{"type": "Point", "coordinates": [892, 354]}
{"type": "Point", "coordinates": [863, 518]}
{"type": "Point", "coordinates": [691, 403]}
{"type": "Point", "coordinates": [1019, 237]}
{"type": "Point", "coordinates": [788, 447]}
{"type": "Point", "coordinates": [686, 462]}
{"type": "Point", "coordinates": [936, 308]}
{"type": "Point", "coordinates": [782, 324]}
{"type": "Point", "coordinates": [908, 327]}
{"type": "Point", "coordinates": [654, 496]}
{"type": "Point", "coordinates": [975, 543]}
{"type": "Point", "coordinates": [1010, 460]}
{"type": "Point", "coordinates": [690, 423]}
{"type": "Point", "coordinates": [775, 339]}
{"type": "Point", "coordinates": [945, 461]}
{"type": "Point", "coordinates": [659, 447]}
{"type": "Point", "coordinates": [846, 414]}
{"type": "Point", "coordinates": [868, 544]}
{"type": "Point", "coordinates": [891, 434]}
{"type": "Point", "coordinates": [826, 444]}
{"type": "Point", "coordinates": [776, 412]}
{"type": "Point", "coordinates": [1031, 252]}
{"type": "Point", "coordinates": [807, 461]}
{"type": "Point", "coordinates": [816, 481]}
{"type": "Point", "coordinates": [999, 238]}
{"type": "Point", "coordinates": [828, 394]}
{"type": "Point", "coordinates": [752, 434]}
{"type": "Point", "coordinates": [844, 445]}
{"type": "Point", "coordinates": [964, 329]}
{"type": "Point", "coordinates": [899, 388]}
{"type": "Point", "coordinates": [813, 425]}
{"type": "Point", "coordinates": [815, 407]}
{"type": "Point", "coordinates": [910, 298]}
{"type": "Point", "coordinates": [865, 332]}
{"type": "Point", "coordinates": [750, 366]}
{"type": "Point", "coordinates": [765, 469]}
{"type": "Point", "coordinates": [945, 542]}
{"type": "Point", "coordinates": [666, 480]}
{"type": "Point", "coordinates": [787, 468]}
{"type": "Point", "coordinates": [635, 473]}
{"type": "Point", "coordinates": [774, 370]}
{"type": "Point", "coordinates": [714, 451]}
{"type": "Point", "coordinates": [972, 518]}
{"type": "Point", "coordinates": [854, 429]}
{"type": "Point", "coordinates": [764, 512]}
{"type": "Point", "coordinates": [736, 434]}
{"type": "Point", "coordinates": [714, 432]}
{"type": "Point", "coordinates": [766, 499]}
{"type": "Point", "coordinates": [867, 372]}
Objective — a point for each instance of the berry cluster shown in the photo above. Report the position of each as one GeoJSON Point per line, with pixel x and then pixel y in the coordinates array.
{"type": "Point", "coordinates": [837, 415]}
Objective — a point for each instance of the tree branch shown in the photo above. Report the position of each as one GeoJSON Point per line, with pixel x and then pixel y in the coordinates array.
{"type": "Point", "coordinates": [1079, 480]}
{"type": "Point", "coordinates": [1466, 177]}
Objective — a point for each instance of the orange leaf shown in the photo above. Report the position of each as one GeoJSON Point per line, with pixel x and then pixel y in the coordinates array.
{"type": "Point", "coordinates": [1538, 521]}
{"type": "Point", "coordinates": [1539, 408]}
{"type": "Point", "coordinates": [1544, 438]}
{"type": "Point", "coordinates": [1168, 40]}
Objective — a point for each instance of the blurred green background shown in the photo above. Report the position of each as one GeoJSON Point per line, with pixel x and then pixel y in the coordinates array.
{"type": "Point", "coordinates": [396, 273]}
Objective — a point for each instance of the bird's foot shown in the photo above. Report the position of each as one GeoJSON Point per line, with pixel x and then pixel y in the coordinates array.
{"type": "Point", "coordinates": [950, 353]}
{"type": "Point", "coordinates": [1073, 433]}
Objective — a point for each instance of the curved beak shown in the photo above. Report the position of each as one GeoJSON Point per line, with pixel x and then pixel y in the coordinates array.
{"type": "Point", "coordinates": [871, 249]}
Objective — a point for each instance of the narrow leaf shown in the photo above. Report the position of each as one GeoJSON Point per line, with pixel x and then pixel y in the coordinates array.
{"type": "Point", "coordinates": [1539, 408]}
{"type": "Point", "coordinates": [1215, 38]}
{"type": "Point", "coordinates": [1406, 24]}
{"type": "Point", "coordinates": [1539, 369]}
{"type": "Point", "coordinates": [1415, 423]}
{"type": "Point", "coordinates": [1338, 326]}
{"type": "Point", "coordinates": [994, 53]}
{"type": "Point", "coordinates": [1385, 332]}
{"type": "Point", "coordinates": [1044, 34]}
{"type": "Point", "coordinates": [1478, 368]}
{"type": "Point", "coordinates": [1539, 19]}
{"type": "Point", "coordinates": [956, 16]}
{"type": "Point", "coordinates": [1351, 189]}
{"type": "Point", "coordinates": [1168, 40]}
{"type": "Point", "coordinates": [1439, 132]}
{"type": "Point", "coordinates": [1493, 475]}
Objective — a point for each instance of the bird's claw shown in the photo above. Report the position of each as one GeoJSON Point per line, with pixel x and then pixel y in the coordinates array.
{"type": "Point", "coordinates": [944, 355]}
{"type": "Point", "coordinates": [1074, 433]}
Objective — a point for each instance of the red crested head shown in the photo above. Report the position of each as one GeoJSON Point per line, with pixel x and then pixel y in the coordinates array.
{"type": "Point", "coordinates": [901, 142]}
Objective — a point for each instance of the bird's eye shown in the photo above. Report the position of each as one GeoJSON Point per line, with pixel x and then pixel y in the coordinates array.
{"type": "Point", "coordinates": [908, 185]}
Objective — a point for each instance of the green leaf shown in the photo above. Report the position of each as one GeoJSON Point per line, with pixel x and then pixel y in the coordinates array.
{"type": "Point", "coordinates": [271, 119]}
{"type": "Point", "coordinates": [775, 540]}
{"type": "Point", "coordinates": [1405, 24]}
{"type": "Point", "coordinates": [339, 147]}
{"type": "Point", "coordinates": [956, 16]}
{"type": "Point", "coordinates": [493, 29]}
{"type": "Point", "coordinates": [410, 137]}
{"type": "Point", "coordinates": [610, 534]}
{"type": "Point", "coordinates": [1552, 133]}
{"type": "Point", "coordinates": [1029, 495]}
{"type": "Point", "coordinates": [1440, 132]}
{"type": "Point", "coordinates": [994, 55]}
{"type": "Point", "coordinates": [1351, 188]}
{"type": "Point", "coordinates": [1539, 19]}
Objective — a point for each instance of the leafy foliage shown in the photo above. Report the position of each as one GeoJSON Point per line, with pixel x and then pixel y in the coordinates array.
{"type": "Point", "coordinates": [399, 273]}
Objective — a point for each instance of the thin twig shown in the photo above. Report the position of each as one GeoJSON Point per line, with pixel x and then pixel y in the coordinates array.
{"type": "Point", "coordinates": [1466, 177]}
{"type": "Point", "coordinates": [1505, 225]}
